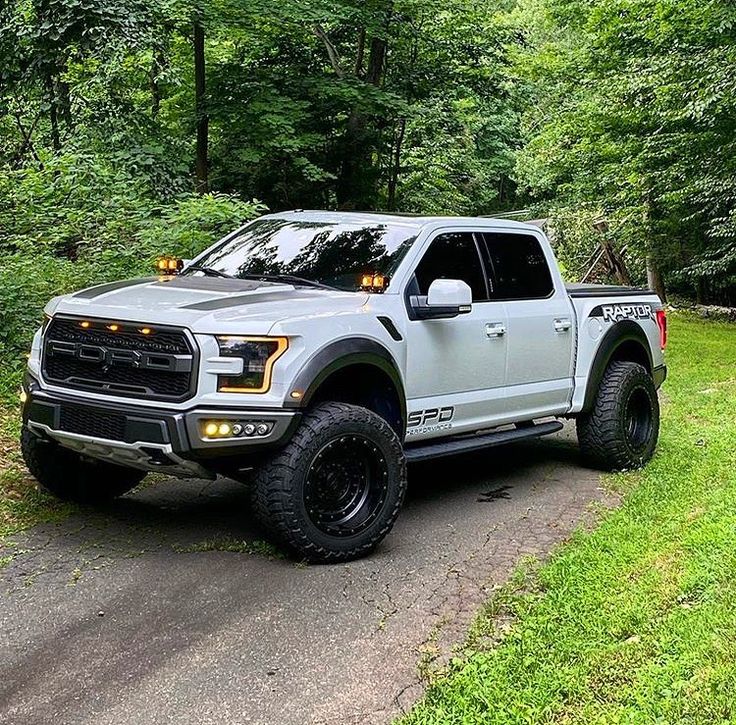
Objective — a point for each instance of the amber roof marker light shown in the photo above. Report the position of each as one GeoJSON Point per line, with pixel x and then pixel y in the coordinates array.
{"type": "Point", "coordinates": [169, 266]}
{"type": "Point", "coordinates": [375, 282]}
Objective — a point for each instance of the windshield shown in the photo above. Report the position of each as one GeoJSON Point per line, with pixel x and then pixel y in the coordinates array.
{"type": "Point", "coordinates": [333, 254]}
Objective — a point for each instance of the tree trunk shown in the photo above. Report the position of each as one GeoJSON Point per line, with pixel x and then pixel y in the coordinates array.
{"type": "Point", "coordinates": [393, 179]}
{"type": "Point", "coordinates": [376, 62]}
{"type": "Point", "coordinates": [701, 295]}
{"type": "Point", "coordinates": [356, 170]}
{"type": "Point", "coordinates": [157, 65]}
{"type": "Point", "coordinates": [654, 278]}
{"type": "Point", "coordinates": [53, 113]}
{"type": "Point", "coordinates": [348, 191]}
{"type": "Point", "coordinates": [64, 100]}
{"type": "Point", "coordinates": [200, 106]}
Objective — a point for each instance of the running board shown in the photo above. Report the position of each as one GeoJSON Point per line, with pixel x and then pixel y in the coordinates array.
{"type": "Point", "coordinates": [466, 444]}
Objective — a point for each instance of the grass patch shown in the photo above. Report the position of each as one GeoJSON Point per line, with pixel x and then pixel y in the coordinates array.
{"type": "Point", "coordinates": [227, 543]}
{"type": "Point", "coordinates": [22, 505]}
{"type": "Point", "coordinates": [633, 622]}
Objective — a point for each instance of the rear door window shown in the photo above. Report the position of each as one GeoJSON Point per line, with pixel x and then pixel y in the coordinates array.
{"type": "Point", "coordinates": [517, 267]}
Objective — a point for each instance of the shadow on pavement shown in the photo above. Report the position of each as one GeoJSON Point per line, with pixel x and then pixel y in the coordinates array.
{"type": "Point", "coordinates": [186, 511]}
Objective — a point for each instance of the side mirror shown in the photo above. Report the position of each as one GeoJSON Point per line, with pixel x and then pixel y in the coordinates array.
{"type": "Point", "coordinates": [446, 298]}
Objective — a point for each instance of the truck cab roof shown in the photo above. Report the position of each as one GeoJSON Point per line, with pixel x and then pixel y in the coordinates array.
{"type": "Point", "coordinates": [417, 221]}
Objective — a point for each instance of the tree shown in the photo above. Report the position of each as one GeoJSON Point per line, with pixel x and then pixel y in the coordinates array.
{"type": "Point", "coordinates": [634, 113]}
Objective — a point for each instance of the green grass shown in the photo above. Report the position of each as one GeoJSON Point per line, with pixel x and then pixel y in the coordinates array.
{"type": "Point", "coordinates": [22, 505]}
{"type": "Point", "coordinates": [635, 621]}
{"type": "Point", "coordinates": [239, 546]}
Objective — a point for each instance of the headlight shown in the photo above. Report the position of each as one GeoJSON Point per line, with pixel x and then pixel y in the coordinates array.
{"type": "Point", "coordinates": [258, 355]}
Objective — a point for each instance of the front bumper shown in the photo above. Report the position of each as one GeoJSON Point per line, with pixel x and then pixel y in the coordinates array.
{"type": "Point", "coordinates": [148, 438]}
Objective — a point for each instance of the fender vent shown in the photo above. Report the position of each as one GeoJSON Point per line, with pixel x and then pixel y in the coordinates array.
{"type": "Point", "coordinates": [388, 323]}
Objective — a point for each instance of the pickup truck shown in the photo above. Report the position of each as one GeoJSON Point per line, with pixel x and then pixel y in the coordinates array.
{"type": "Point", "coordinates": [313, 354]}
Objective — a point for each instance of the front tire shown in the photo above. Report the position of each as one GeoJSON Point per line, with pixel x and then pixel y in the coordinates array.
{"type": "Point", "coordinates": [334, 492]}
{"type": "Point", "coordinates": [622, 429]}
{"type": "Point", "coordinates": [71, 477]}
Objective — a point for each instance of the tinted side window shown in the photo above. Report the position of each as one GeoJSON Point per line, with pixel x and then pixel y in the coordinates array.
{"type": "Point", "coordinates": [452, 256]}
{"type": "Point", "coordinates": [517, 267]}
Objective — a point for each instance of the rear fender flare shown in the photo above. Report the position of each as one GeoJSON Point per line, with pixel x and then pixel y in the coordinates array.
{"type": "Point", "coordinates": [622, 332]}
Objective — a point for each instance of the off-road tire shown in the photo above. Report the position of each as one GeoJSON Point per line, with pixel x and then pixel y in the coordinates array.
{"type": "Point", "coordinates": [282, 486]}
{"type": "Point", "coordinates": [621, 431]}
{"type": "Point", "coordinates": [72, 477]}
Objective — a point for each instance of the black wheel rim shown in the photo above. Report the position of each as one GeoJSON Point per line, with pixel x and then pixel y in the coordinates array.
{"type": "Point", "coordinates": [346, 486]}
{"type": "Point", "coordinates": [638, 419]}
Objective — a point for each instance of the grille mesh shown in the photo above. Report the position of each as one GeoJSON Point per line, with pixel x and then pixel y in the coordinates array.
{"type": "Point", "coordinates": [117, 379]}
{"type": "Point", "coordinates": [92, 422]}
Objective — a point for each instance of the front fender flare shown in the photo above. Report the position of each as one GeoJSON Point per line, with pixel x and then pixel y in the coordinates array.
{"type": "Point", "coordinates": [341, 354]}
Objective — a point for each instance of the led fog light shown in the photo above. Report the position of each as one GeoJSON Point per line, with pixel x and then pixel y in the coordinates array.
{"type": "Point", "coordinates": [233, 429]}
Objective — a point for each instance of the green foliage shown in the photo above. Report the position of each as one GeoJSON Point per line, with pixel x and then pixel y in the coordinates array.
{"type": "Point", "coordinates": [635, 114]}
{"type": "Point", "coordinates": [191, 224]}
{"type": "Point", "coordinates": [313, 104]}
{"type": "Point", "coordinates": [70, 201]}
{"type": "Point", "coordinates": [77, 222]}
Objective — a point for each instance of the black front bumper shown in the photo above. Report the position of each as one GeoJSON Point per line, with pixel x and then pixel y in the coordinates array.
{"type": "Point", "coordinates": [58, 414]}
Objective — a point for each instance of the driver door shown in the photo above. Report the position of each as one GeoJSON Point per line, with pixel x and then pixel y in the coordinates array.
{"type": "Point", "coordinates": [456, 367]}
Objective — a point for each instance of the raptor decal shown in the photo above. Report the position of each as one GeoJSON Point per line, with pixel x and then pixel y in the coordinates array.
{"type": "Point", "coordinates": [628, 311]}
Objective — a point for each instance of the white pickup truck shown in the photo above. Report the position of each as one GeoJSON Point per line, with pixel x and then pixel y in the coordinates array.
{"type": "Point", "coordinates": [312, 354]}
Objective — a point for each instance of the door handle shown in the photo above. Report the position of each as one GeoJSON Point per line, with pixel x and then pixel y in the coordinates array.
{"type": "Point", "coordinates": [495, 329]}
{"type": "Point", "coordinates": [562, 325]}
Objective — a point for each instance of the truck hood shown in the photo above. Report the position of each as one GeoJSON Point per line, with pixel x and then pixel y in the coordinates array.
{"type": "Point", "coordinates": [206, 304]}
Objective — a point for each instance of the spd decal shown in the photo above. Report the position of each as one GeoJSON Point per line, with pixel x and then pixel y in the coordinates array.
{"type": "Point", "coordinates": [430, 420]}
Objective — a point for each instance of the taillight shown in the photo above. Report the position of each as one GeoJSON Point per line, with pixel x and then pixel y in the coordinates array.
{"type": "Point", "coordinates": [662, 325]}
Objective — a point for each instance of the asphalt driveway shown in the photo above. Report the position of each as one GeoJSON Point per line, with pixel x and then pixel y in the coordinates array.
{"type": "Point", "coordinates": [135, 614]}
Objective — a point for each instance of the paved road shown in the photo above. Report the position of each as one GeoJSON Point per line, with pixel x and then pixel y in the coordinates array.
{"type": "Point", "coordinates": [105, 619]}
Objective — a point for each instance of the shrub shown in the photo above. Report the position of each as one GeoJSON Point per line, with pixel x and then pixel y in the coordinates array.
{"type": "Point", "coordinates": [76, 222]}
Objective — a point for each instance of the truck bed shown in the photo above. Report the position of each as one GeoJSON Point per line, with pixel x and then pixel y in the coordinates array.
{"type": "Point", "coordinates": [604, 290]}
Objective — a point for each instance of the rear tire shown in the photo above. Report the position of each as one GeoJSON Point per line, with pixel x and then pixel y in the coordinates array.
{"type": "Point", "coordinates": [71, 477]}
{"type": "Point", "coordinates": [335, 490]}
{"type": "Point", "coordinates": [622, 429]}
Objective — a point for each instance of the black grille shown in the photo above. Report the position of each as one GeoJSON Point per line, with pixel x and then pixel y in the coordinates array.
{"type": "Point", "coordinates": [123, 362]}
{"type": "Point", "coordinates": [127, 337]}
{"type": "Point", "coordinates": [92, 422]}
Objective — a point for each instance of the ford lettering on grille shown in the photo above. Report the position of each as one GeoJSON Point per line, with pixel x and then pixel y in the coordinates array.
{"type": "Point", "coordinates": [106, 357]}
{"type": "Point", "coordinates": [159, 364]}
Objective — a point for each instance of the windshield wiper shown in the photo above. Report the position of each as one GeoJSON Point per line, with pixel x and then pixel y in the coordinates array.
{"type": "Point", "coordinates": [208, 271]}
{"type": "Point", "coordinates": [288, 278]}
